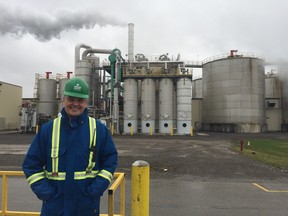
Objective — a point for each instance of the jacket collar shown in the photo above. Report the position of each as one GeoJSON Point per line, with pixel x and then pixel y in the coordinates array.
{"type": "Point", "coordinates": [75, 120]}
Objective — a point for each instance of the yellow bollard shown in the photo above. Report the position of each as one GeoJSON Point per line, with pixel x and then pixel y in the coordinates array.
{"type": "Point", "coordinates": [140, 188]}
{"type": "Point", "coordinates": [131, 131]}
{"type": "Point", "coordinates": [37, 128]}
{"type": "Point", "coordinates": [191, 131]}
{"type": "Point", "coordinates": [171, 130]}
{"type": "Point", "coordinates": [112, 129]}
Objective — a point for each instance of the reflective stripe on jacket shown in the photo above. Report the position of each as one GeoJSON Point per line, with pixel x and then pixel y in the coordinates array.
{"type": "Point", "coordinates": [71, 157]}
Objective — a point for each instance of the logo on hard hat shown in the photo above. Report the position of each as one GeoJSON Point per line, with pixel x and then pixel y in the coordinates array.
{"type": "Point", "coordinates": [77, 87]}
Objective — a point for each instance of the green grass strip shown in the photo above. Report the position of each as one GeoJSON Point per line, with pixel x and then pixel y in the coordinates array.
{"type": "Point", "coordinates": [272, 152]}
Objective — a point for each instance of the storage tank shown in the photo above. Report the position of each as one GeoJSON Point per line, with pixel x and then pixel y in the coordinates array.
{"type": "Point", "coordinates": [46, 92]}
{"type": "Point", "coordinates": [62, 82]}
{"type": "Point", "coordinates": [184, 107]}
{"type": "Point", "coordinates": [197, 88]}
{"type": "Point", "coordinates": [283, 76]}
{"type": "Point", "coordinates": [130, 106]}
{"type": "Point", "coordinates": [166, 106]}
{"type": "Point", "coordinates": [148, 106]}
{"type": "Point", "coordinates": [234, 95]}
{"type": "Point", "coordinates": [85, 69]}
{"type": "Point", "coordinates": [272, 86]}
{"type": "Point", "coordinates": [273, 102]}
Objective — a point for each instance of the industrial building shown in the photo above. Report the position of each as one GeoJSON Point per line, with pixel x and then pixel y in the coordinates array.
{"type": "Point", "coordinates": [10, 106]}
{"type": "Point", "coordinates": [158, 95]}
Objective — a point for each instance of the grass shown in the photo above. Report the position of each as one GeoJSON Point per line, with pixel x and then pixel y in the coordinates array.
{"type": "Point", "coordinates": [272, 152]}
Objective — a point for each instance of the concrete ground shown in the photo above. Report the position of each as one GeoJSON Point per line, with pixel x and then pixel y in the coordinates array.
{"type": "Point", "coordinates": [197, 175]}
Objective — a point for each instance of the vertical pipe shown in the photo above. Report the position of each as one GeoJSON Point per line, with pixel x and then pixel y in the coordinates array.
{"type": "Point", "coordinates": [116, 92]}
{"type": "Point", "coordinates": [130, 42]}
{"type": "Point", "coordinates": [241, 145]}
{"type": "Point", "coordinates": [140, 181]}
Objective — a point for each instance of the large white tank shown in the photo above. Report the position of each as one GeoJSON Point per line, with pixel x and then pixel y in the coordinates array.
{"type": "Point", "coordinates": [165, 106]}
{"type": "Point", "coordinates": [197, 88]}
{"type": "Point", "coordinates": [84, 70]}
{"type": "Point", "coordinates": [184, 107]}
{"type": "Point", "coordinates": [130, 106]}
{"type": "Point", "coordinates": [148, 106]}
{"type": "Point", "coordinates": [47, 103]}
{"type": "Point", "coordinates": [272, 86]}
{"type": "Point", "coordinates": [234, 95]}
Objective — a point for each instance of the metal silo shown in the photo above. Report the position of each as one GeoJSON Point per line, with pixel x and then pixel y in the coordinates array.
{"type": "Point", "coordinates": [234, 94]}
{"type": "Point", "coordinates": [62, 82]}
{"type": "Point", "coordinates": [273, 102]}
{"type": "Point", "coordinates": [184, 96]}
{"type": "Point", "coordinates": [47, 103]}
{"type": "Point", "coordinates": [83, 70]}
{"type": "Point", "coordinates": [197, 88]}
{"type": "Point", "coordinates": [130, 106]}
{"type": "Point", "coordinates": [148, 106]}
{"type": "Point", "coordinates": [165, 105]}
{"type": "Point", "coordinates": [272, 86]}
{"type": "Point", "coordinates": [282, 72]}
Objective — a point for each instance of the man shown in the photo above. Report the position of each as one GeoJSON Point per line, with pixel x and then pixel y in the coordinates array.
{"type": "Point", "coordinates": [72, 158]}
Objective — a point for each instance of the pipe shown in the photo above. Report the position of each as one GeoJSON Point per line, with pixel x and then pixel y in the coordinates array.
{"type": "Point", "coordinates": [130, 42]}
{"type": "Point", "coordinates": [116, 89]}
{"type": "Point", "coordinates": [77, 52]}
{"type": "Point", "coordinates": [69, 74]}
{"type": "Point", "coordinates": [91, 50]}
{"type": "Point", "coordinates": [48, 74]}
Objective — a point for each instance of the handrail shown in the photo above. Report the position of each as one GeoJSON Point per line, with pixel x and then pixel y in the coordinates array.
{"type": "Point", "coordinates": [226, 55]}
{"type": "Point", "coordinates": [119, 180]}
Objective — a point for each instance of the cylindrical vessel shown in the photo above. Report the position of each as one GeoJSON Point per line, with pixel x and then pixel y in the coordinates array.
{"type": "Point", "coordinates": [148, 106]}
{"type": "Point", "coordinates": [272, 87]}
{"type": "Point", "coordinates": [130, 106]}
{"type": "Point", "coordinates": [165, 106]}
{"type": "Point", "coordinates": [61, 87]}
{"type": "Point", "coordinates": [197, 88]}
{"type": "Point", "coordinates": [130, 42]}
{"type": "Point", "coordinates": [184, 107]}
{"type": "Point", "coordinates": [47, 103]}
{"type": "Point", "coordinates": [283, 76]}
{"type": "Point", "coordinates": [234, 95]}
{"type": "Point", "coordinates": [84, 70]}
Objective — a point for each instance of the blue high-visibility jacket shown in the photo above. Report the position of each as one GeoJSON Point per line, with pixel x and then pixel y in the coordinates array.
{"type": "Point", "coordinates": [67, 181]}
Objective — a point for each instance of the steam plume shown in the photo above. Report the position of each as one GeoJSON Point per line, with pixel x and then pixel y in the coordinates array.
{"type": "Point", "coordinates": [44, 27]}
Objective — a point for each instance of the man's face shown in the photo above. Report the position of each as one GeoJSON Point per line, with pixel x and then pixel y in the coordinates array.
{"type": "Point", "coordinates": [74, 106]}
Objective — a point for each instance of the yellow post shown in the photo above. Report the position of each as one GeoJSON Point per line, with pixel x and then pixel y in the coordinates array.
{"type": "Point", "coordinates": [4, 193]}
{"type": "Point", "coordinates": [151, 131]}
{"type": "Point", "coordinates": [112, 129]}
{"type": "Point", "coordinates": [131, 131]}
{"type": "Point", "coordinates": [140, 188]}
{"type": "Point", "coordinates": [171, 130]}
{"type": "Point", "coordinates": [191, 131]}
{"type": "Point", "coordinates": [37, 128]}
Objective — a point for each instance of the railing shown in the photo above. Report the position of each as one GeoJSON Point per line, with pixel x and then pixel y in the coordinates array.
{"type": "Point", "coordinates": [238, 54]}
{"type": "Point", "coordinates": [119, 180]}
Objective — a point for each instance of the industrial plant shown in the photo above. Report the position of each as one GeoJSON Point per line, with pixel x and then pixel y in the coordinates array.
{"type": "Point", "coordinates": [151, 95]}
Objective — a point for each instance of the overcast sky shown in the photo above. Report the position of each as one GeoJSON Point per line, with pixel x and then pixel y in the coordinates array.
{"type": "Point", "coordinates": [39, 36]}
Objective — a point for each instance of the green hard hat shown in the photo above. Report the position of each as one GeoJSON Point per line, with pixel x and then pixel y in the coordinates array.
{"type": "Point", "coordinates": [76, 87]}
